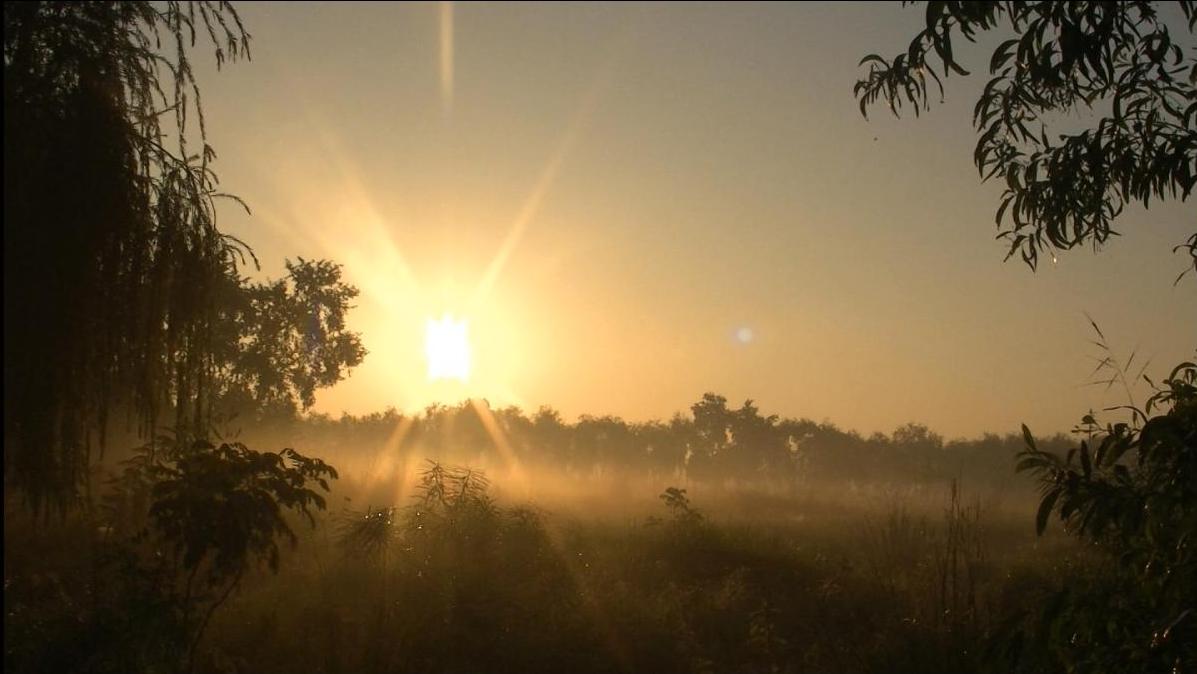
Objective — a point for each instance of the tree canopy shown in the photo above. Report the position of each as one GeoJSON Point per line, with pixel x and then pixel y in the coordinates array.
{"type": "Point", "coordinates": [111, 248]}
{"type": "Point", "coordinates": [1118, 62]}
{"type": "Point", "coordinates": [280, 341]}
{"type": "Point", "coordinates": [122, 297]}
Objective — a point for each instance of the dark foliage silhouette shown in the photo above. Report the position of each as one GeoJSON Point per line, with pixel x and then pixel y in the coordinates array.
{"type": "Point", "coordinates": [279, 342]}
{"type": "Point", "coordinates": [1120, 62]}
{"type": "Point", "coordinates": [125, 302]}
{"type": "Point", "coordinates": [713, 445]}
{"type": "Point", "coordinates": [177, 532]}
{"type": "Point", "coordinates": [1063, 189]}
{"type": "Point", "coordinates": [1130, 489]}
{"type": "Point", "coordinates": [130, 306]}
{"type": "Point", "coordinates": [111, 250]}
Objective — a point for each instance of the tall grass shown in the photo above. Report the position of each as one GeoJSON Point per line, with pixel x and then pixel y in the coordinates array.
{"type": "Point", "coordinates": [453, 576]}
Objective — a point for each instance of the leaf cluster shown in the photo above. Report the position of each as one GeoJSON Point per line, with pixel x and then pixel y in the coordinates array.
{"type": "Point", "coordinates": [449, 497]}
{"type": "Point", "coordinates": [1118, 61]}
{"type": "Point", "coordinates": [112, 253]}
{"type": "Point", "coordinates": [227, 504]}
{"type": "Point", "coordinates": [368, 534]}
{"type": "Point", "coordinates": [280, 341]}
{"type": "Point", "coordinates": [1130, 489]}
{"type": "Point", "coordinates": [679, 506]}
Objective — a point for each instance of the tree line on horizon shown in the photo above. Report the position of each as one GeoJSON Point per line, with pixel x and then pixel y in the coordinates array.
{"type": "Point", "coordinates": [714, 442]}
{"type": "Point", "coordinates": [123, 299]}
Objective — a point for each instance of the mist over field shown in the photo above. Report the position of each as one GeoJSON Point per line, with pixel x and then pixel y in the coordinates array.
{"type": "Point", "coordinates": [721, 540]}
{"type": "Point", "coordinates": [600, 337]}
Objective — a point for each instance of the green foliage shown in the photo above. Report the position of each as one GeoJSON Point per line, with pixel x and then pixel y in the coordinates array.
{"type": "Point", "coordinates": [112, 255]}
{"type": "Point", "coordinates": [1130, 489]}
{"type": "Point", "coordinates": [1116, 58]}
{"type": "Point", "coordinates": [282, 340]}
{"type": "Point", "coordinates": [226, 503]}
{"type": "Point", "coordinates": [217, 510]}
{"type": "Point", "coordinates": [756, 448]}
{"type": "Point", "coordinates": [368, 534]}
{"type": "Point", "coordinates": [137, 583]}
{"type": "Point", "coordinates": [452, 508]}
{"type": "Point", "coordinates": [131, 304]}
{"type": "Point", "coordinates": [679, 506]}
{"type": "Point", "coordinates": [473, 583]}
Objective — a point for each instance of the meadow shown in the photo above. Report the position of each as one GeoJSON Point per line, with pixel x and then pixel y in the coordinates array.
{"type": "Point", "coordinates": [611, 206]}
{"type": "Point", "coordinates": [419, 566]}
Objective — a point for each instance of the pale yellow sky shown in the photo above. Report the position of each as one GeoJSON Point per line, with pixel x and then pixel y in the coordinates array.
{"type": "Point", "coordinates": [610, 193]}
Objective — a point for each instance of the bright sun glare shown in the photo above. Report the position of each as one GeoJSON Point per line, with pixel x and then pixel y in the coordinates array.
{"type": "Point", "coordinates": [447, 347]}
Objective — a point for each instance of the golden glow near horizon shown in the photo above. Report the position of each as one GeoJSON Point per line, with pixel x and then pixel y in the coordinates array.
{"type": "Point", "coordinates": [447, 348]}
{"type": "Point", "coordinates": [633, 204]}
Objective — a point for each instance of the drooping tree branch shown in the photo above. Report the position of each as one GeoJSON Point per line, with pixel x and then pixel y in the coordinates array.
{"type": "Point", "coordinates": [1117, 60]}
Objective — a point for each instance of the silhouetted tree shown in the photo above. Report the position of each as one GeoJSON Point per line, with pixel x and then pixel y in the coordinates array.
{"type": "Point", "coordinates": [917, 446]}
{"type": "Point", "coordinates": [1120, 58]}
{"type": "Point", "coordinates": [517, 428]}
{"type": "Point", "coordinates": [550, 435]}
{"type": "Point", "coordinates": [1062, 192]}
{"type": "Point", "coordinates": [282, 340]}
{"type": "Point", "coordinates": [662, 450]}
{"type": "Point", "coordinates": [111, 250]}
{"type": "Point", "coordinates": [121, 295]}
{"type": "Point", "coordinates": [759, 447]}
{"type": "Point", "coordinates": [600, 441]}
{"type": "Point", "coordinates": [712, 428]}
{"type": "Point", "coordinates": [1131, 490]}
{"type": "Point", "coordinates": [755, 447]}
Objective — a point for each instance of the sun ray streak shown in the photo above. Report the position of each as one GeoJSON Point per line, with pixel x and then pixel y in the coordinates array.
{"type": "Point", "coordinates": [377, 240]}
{"type": "Point", "coordinates": [384, 459]}
{"type": "Point", "coordinates": [575, 567]}
{"type": "Point", "coordinates": [446, 44]}
{"type": "Point", "coordinates": [544, 183]}
{"type": "Point", "coordinates": [375, 260]}
{"type": "Point", "coordinates": [497, 436]}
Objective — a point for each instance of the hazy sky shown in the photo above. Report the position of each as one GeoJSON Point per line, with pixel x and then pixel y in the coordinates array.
{"type": "Point", "coordinates": [634, 204]}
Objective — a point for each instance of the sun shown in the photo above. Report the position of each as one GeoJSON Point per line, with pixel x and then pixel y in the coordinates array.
{"type": "Point", "coordinates": [447, 347]}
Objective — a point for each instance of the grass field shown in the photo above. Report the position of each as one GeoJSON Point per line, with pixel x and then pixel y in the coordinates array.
{"type": "Point", "coordinates": [548, 573]}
